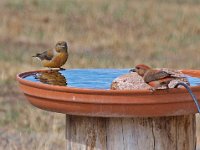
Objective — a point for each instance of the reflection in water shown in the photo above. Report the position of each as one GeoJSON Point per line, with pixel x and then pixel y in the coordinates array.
{"type": "Point", "coordinates": [53, 77]}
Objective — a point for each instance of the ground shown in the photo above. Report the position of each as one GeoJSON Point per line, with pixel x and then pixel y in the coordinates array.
{"type": "Point", "coordinates": [100, 34]}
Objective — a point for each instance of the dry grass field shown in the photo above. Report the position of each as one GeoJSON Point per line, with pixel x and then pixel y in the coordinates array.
{"type": "Point", "coordinates": [100, 34]}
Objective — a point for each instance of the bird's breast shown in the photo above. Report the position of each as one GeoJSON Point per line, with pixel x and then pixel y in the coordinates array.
{"type": "Point", "coordinates": [57, 61]}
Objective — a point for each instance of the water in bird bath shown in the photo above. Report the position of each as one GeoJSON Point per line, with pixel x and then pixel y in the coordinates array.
{"type": "Point", "coordinates": [86, 78]}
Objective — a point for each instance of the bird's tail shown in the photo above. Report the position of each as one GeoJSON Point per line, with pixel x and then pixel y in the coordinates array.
{"type": "Point", "coordinates": [37, 56]}
{"type": "Point", "coordinates": [181, 79]}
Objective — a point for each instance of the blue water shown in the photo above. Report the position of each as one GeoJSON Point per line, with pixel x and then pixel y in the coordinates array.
{"type": "Point", "coordinates": [88, 78]}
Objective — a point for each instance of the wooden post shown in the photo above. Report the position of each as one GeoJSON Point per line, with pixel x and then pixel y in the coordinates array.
{"type": "Point", "coordinates": [161, 133]}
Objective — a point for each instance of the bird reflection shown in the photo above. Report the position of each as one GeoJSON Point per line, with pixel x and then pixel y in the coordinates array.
{"type": "Point", "coordinates": [53, 77]}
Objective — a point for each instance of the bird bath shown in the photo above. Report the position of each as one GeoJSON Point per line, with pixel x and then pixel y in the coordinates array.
{"type": "Point", "coordinates": [100, 118]}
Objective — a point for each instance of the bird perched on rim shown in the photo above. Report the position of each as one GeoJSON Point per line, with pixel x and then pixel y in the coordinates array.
{"type": "Point", "coordinates": [157, 78]}
{"type": "Point", "coordinates": [56, 57]}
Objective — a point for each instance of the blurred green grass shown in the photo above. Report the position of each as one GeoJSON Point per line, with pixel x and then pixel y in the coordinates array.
{"type": "Point", "coordinates": [100, 34]}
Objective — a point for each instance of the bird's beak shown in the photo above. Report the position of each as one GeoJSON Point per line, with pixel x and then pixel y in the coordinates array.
{"type": "Point", "coordinates": [62, 46]}
{"type": "Point", "coordinates": [132, 70]}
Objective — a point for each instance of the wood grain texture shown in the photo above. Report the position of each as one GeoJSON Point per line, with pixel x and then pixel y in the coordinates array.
{"type": "Point", "coordinates": [163, 133]}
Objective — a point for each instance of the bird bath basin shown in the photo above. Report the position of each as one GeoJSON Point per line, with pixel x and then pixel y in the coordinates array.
{"type": "Point", "coordinates": [102, 119]}
{"type": "Point", "coordinates": [86, 92]}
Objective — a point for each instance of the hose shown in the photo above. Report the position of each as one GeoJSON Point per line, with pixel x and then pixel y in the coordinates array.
{"type": "Point", "coordinates": [191, 93]}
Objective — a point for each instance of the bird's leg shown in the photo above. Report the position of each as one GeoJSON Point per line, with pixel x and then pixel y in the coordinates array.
{"type": "Point", "coordinates": [50, 70]}
{"type": "Point", "coordinates": [156, 87]}
{"type": "Point", "coordinates": [152, 89]}
{"type": "Point", "coordinates": [167, 87]}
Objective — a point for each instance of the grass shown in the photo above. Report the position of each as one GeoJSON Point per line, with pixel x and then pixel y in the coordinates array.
{"type": "Point", "coordinates": [100, 34]}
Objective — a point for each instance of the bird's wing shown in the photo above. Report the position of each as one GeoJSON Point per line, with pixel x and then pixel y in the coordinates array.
{"type": "Point", "coordinates": [174, 73]}
{"type": "Point", "coordinates": [48, 55]}
{"type": "Point", "coordinates": [153, 75]}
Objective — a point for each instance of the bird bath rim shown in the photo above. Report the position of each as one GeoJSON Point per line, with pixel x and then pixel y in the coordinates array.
{"type": "Point", "coordinates": [109, 103]}
{"type": "Point", "coordinates": [195, 73]}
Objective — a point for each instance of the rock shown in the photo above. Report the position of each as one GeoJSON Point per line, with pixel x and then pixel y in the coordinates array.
{"type": "Point", "coordinates": [132, 81]}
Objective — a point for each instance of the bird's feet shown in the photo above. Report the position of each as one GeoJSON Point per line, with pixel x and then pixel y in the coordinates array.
{"type": "Point", "coordinates": [151, 89]}
{"type": "Point", "coordinates": [50, 70]}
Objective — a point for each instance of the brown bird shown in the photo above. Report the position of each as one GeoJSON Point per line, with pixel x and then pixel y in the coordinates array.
{"type": "Point", "coordinates": [154, 77]}
{"type": "Point", "coordinates": [54, 58]}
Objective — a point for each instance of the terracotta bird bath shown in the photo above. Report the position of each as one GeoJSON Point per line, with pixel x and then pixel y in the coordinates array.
{"type": "Point", "coordinates": [99, 118]}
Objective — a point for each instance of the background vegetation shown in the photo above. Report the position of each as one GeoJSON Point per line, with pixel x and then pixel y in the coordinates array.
{"type": "Point", "coordinates": [100, 34]}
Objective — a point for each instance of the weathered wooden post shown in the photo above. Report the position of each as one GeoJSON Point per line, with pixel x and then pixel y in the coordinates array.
{"type": "Point", "coordinates": [158, 133]}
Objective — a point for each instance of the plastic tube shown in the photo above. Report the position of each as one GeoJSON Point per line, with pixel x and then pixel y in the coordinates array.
{"type": "Point", "coordinates": [191, 93]}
